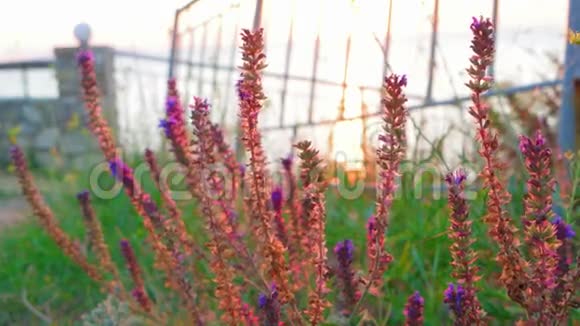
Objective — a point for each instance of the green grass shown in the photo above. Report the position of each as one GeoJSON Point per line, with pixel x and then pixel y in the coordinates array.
{"type": "Point", "coordinates": [31, 263]}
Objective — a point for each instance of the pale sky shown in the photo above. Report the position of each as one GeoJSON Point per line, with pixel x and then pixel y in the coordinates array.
{"type": "Point", "coordinates": [31, 28]}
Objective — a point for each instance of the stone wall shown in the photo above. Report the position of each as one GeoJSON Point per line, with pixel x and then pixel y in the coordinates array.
{"type": "Point", "coordinates": [52, 136]}
{"type": "Point", "coordinates": [53, 132]}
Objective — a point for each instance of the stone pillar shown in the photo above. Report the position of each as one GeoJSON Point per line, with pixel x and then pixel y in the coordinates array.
{"type": "Point", "coordinates": [76, 144]}
{"type": "Point", "coordinates": [69, 80]}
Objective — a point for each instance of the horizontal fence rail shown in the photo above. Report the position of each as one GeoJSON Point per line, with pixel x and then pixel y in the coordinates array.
{"type": "Point", "coordinates": [31, 64]}
{"type": "Point", "coordinates": [17, 76]}
{"type": "Point", "coordinates": [185, 63]}
{"type": "Point", "coordinates": [448, 102]}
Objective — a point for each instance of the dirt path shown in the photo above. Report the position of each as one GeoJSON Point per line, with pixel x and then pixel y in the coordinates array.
{"type": "Point", "coordinates": [13, 208]}
{"type": "Point", "coordinates": [13, 211]}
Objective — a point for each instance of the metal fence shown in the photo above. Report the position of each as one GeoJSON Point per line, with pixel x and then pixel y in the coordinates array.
{"type": "Point", "coordinates": [325, 70]}
{"type": "Point", "coordinates": [326, 63]}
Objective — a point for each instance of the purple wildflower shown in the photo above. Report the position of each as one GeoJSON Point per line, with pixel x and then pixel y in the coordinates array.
{"type": "Point", "coordinates": [475, 23]}
{"type": "Point", "coordinates": [170, 105]}
{"type": "Point", "coordinates": [165, 124]}
{"type": "Point", "coordinates": [232, 216]}
{"type": "Point", "coordinates": [239, 88]}
{"type": "Point", "coordinates": [14, 150]}
{"type": "Point", "coordinates": [83, 194]}
{"type": "Point", "coordinates": [125, 245]}
{"type": "Point", "coordinates": [375, 245]}
{"type": "Point", "coordinates": [136, 294]}
{"type": "Point", "coordinates": [150, 207]}
{"type": "Point", "coordinates": [242, 94]}
{"type": "Point", "coordinates": [85, 56]}
{"type": "Point", "coordinates": [457, 177]}
{"type": "Point", "coordinates": [123, 173]}
{"type": "Point", "coordinates": [287, 162]}
{"type": "Point", "coordinates": [563, 230]}
{"type": "Point", "coordinates": [141, 297]}
{"type": "Point", "coordinates": [414, 309]}
{"type": "Point", "coordinates": [276, 198]}
{"type": "Point", "coordinates": [454, 298]}
{"type": "Point", "coordinates": [174, 115]}
{"type": "Point", "coordinates": [531, 144]}
{"type": "Point", "coordinates": [270, 307]}
{"type": "Point", "coordinates": [371, 224]}
{"type": "Point", "coordinates": [174, 125]}
{"type": "Point", "coordinates": [114, 167]}
{"type": "Point", "coordinates": [201, 105]}
{"type": "Point", "coordinates": [262, 300]}
{"type": "Point", "coordinates": [403, 80]}
{"type": "Point", "coordinates": [118, 169]}
{"type": "Point", "coordinates": [344, 251]}
{"type": "Point", "coordinates": [139, 290]}
{"type": "Point", "coordinates": [564, 233]}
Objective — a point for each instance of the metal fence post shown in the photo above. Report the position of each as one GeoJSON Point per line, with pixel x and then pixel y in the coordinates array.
{"type": "Point", "coordinates": [435, 23]}
{"type": "Point", "coordinates": [568, 135]}
{"type": "Point", "coordinates": [494, 18]}
{"type": "Point", "coordinates": [284, 94]}
{"type": "Point", "coordinates": [217, 50]}
{"type": "Point", "coordinates": [387, 41]}
{"type": "Point", "coordinates": [25, 83]}
{"type": "Point", "coordinates": [230, 80]}
{"type": "Point", "coordinates": [173, 53]}
{"type": "Point", "coordinates": [258, 14]}
{"type": "Point", "coordinates": [189, 73]}
{"type": "Point", "coordinates": [202, 58]}
{"type": "Point", "coordinates": [174, 37]}
{"type": "Point", "coordinates": [313, 76]}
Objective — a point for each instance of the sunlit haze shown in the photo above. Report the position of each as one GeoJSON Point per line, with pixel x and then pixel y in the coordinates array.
{"type": "Point", "coordinates": [529, 31]}
{"type": "Point", "coordinates": [31, 28]}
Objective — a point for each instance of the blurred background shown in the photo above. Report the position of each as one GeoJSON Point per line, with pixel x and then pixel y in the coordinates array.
{"type": "Point", "coordinates": [326, 62]}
